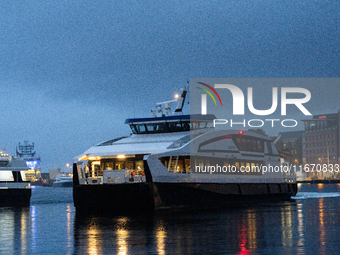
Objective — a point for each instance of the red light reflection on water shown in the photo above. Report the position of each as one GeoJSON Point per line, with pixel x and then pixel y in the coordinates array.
{"type": "Point", "coordinates": [243, 241]}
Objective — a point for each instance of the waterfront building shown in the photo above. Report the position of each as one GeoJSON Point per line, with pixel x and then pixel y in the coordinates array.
{"type": "Point", "coordinates": [320, 147]}
{"type": "Point", "coordinates": [292, 142]}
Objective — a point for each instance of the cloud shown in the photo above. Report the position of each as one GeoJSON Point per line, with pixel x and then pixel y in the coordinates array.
{"type": "Point", "coordinates": [63, 63]}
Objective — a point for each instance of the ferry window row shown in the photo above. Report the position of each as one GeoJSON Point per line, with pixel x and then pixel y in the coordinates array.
{"type": "Point", "coordinates": [165, 127]}
{"type": "Point", "coordinates": [319, 159]}
{"type": "Point", "coordinates": [320, 151]}
{"type": "Point", "coordinates": [320, 144]}
{"type": "Point", "coordinates": [181, 164]}
{"type": "Point", "coordinates": [243, 167]}
{"type": "Point", "coordinates": [96, 167]}
{"type": "Point", "coordinates": [176, 164]}
{"type": "Point", "coordinates": [315, 137]}
{"type": "Point", "coordinates": [242, 142]}
{"type": "Point", "coordinates": [322, 125]}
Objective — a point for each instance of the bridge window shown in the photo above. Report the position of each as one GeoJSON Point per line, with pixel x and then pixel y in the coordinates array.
{"type": "Point", "coordinates": [169, 126]}
{"type": "Point", "coordinates": [249, 144]}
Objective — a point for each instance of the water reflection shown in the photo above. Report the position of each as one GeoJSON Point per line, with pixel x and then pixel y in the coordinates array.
{"type": "Point", "coordinates": [252, 229]}
{"type": "Point", "coordinates": [34, 228]}
{"type": "Point", "coordinates": [322, 227]}
{"type": "Point", "coordinates": [301, 239]}
{"type": "Point", "coordinates": [235, 230]}
{"type": "Point", "coordinates": [243, 241]}
{"type": "Point", "coordinates": [304, 226]}
{"type": "Point", "coordinates": [286, 226]}
{"type": "Point", "coordinates": [68, 228]}
{"type": "Point", "coordinates": [13, 231]}
{"type": "Point", "coordinates": [94, 238]}
{"type": "Point", "coordinates": [160, 235]}
{"type": "Point", "coordinates": [23, 230]}
{"type": "Point", "coordinates": [122, 236]}
{"type": "Point", "coordinates": [296, 227]}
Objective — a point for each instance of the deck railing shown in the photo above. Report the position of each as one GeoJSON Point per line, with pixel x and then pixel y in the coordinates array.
{"type": "Point", "coordinates": [115, 176]}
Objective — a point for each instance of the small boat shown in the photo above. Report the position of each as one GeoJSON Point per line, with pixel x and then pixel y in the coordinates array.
{"type": "Point", "coordinates": [62, 181]}
{"type": "Point", "coordinates": [15, 190]}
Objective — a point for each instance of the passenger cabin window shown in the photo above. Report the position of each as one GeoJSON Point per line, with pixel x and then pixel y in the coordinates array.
{"type": "Point", "coordinates": [227, 143]}
{"type": "Point", "coordinates": [169, 126]}
{"type": "Point", "coordinates": [229, 166]}
{"type": "Point", "coordinates": [176, 164]}
{"type": "Point", "coordinates": [96, 168]}
{"type": "Point", "coordinates": [141, 129]}
{"type": "Point", "coordinates": [181, 164]}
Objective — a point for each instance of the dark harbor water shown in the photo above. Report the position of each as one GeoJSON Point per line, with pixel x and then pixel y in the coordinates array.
{"type": "Point", "coordinates": [308, 225]}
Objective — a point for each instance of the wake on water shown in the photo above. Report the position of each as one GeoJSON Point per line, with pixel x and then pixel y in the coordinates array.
{"type": "Point", "coordinates": [305, 195]}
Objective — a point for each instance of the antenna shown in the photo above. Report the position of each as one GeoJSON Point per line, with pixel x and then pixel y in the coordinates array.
{"type": "Point", "coordinates": [167, 105]}
{"type": "Point", "coordinates": [181, 100]}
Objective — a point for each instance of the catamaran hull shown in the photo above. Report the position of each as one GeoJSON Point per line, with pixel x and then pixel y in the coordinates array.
{"type": "Point", "coordinates": [212, 195]}
{"type": "Point", "coordinates": [15, 197]}
{"type": "Point", "coordinates": [147, 197]}
{"type": "Point", "coordinates": [107, 198]}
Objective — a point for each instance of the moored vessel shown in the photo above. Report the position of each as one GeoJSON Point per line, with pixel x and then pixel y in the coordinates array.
{"type": "Point", "coordinates": [178, 161]}
{"type": "Point", "coordinates": [62, 181]}
{"type": "Point", "coordinates": [27, 152]}
{"type": "Point", "coordinates": [14, 189]}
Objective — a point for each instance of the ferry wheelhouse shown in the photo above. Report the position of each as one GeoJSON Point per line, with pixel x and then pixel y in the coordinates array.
{"type": "Point", "coordinates": [178, 161]}
{"type": "Point", "coordinates": [14, 189]}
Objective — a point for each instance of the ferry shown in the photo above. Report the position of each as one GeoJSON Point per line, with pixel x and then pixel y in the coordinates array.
{"type": "Point", "coordinates": [178, 161]}
{"type": "Point", "coordinates": [15, 190]}
{"type": "Point", "coordinates": [62, 181]}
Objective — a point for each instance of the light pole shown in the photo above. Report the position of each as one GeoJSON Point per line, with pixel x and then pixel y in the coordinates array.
{"type": "Point", "coordinates": [320, 159]}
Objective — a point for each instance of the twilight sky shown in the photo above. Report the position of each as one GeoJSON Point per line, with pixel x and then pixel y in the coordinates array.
{"type": "Point", "coordinates": [71, 72]}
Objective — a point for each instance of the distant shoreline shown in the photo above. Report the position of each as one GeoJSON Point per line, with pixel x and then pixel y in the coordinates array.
{"type": "Point", "coordinates": [320, 181]}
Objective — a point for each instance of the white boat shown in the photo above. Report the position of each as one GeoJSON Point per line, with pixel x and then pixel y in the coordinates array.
{"type": "Point", "coordinates": [164, 164]}
{"type": "Point", "coordinates": [15, 190]}
{"type": "Point", "coordinates": [62, 181]}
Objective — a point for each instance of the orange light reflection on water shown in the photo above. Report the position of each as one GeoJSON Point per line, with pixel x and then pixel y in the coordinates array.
{"type": "Point", "coordinates": [94, 240]}
{"type": "Point", "coordinates": [322, 227]}
{"type": "Point", "coordinates": [122, 236]}
{"type": "Point", "coordinates": [23, 231]}
{"type": "Point", "coordinates": [160, 237]}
